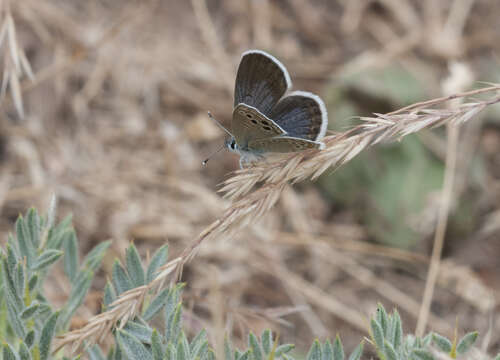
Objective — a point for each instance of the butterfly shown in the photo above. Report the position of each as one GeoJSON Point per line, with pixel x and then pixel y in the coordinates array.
{"type": "Point", "coordinates": [267, 118]}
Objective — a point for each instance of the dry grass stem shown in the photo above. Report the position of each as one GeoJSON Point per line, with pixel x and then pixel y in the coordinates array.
{"type": "Point", "coordinates": [250, 203]}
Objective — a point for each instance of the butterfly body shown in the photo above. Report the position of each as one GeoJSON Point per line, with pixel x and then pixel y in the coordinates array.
{"type": "Point", "coordinates": [266, 117]}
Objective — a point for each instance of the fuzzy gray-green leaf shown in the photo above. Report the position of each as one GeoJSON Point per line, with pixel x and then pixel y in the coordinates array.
{"type": "Point", "coordinates": [24, 242]}
{"type": "Point", "coordinates": [95, 353]}
{"type": "Point", "coordinates": [253, 344]}
{"type": "Point", "coordinates": [245, 356]}
{"type": "Point", "coordinates": [156, 346]}
{"type": "Point", "coordinates": [442, 343]}
{"type": "Point", "coordinates": [397, 332]}
{"type": "Point", "coordinates": [356, 354]}
{"type": "Point", "coordinates": [141, 332]}
{"type": "Point", "coordinates": [33, 282]}
{"type": "Point", "coordinates": [47, 335]}
{"type": "Point", "coordinates": [283, 349]}
{"type": "Point", "coordinates": [33, 222]}
{"type": "Point", "coordinates": [266, 339]}
{"type": "Point", "coordinates": [466, 342]}
{"type": "Point", "coordinates": [30, 338]}
{"type": "Point", "coordinates": [109, 294]}
{"type": "Point", "coordinates": [70, 247]}
{"type": "Point", "coordinates": [421, 354]}
{"type": "Point", "coordinates": [158, 259]}
{"type": "Point", "coordinates": [7, 352]}
{"type": "Point", "coordinates": [134, 266]}
{"type": "Point", "coordinates": [174, 324]}
{"type": "Point", "coordinates": [382, 318]}
{"type": "Point", "coordinates": [171, 352]}
{"type": "Point", "coordinates": [338, 350]}
{"type": "Point", "coordinates": [183, 347]}
{"type": "Point", "coordinates": [132, 347]}
{"type": "Point", "coordinates": [30, 311]}
{"type": "Point", "coordinates": [47, 258]}
{"type": "Point", "coordinates": [121, 281]}
{"type": "Point", "coordinates": [327, 353]}
{"type": "Point", "coordinates": [77, 295]}
{"type": "Point", "coordinates": [228, 349]}
{"type": "Point", "coordinates": [315, 351]}
{"type": "Point", "coordinates": [93, 259]}
{"type": "Point", "coordinates": [497, 357]}
{"type": "Point", "coordinates": [377, 334]}
{"type": "Point", "coordinates": [156, 305]}
{"type": "Point", "coordinates": [389, 351]}
{"type": "Point", "coordinates": [198, 341]}
{"type": "Point", "coordinates": [24, 352]}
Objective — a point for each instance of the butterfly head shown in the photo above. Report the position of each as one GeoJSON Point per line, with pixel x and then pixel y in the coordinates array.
{"type": "Point", "coordinates": [231, 144]}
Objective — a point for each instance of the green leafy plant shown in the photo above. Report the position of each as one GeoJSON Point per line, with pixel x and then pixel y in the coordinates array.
{"type": "Point", "coordinates": [29, 322]}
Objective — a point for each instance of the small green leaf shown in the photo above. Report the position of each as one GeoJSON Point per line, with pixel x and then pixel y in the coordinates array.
{"type": "Point", "coordinates": [121, 281]}
{"type": "Point", "coordinates": [245, 356]}
{"type": "Point", "coordinates": [420, 354]}
{"type": "Point", "coordinates": [30, 311]}
{"type": "Point", "coordinates": [466, 342]}
{"type": "Point", "coordinates": [47, 335]}
{"type": "Point", "coordinates": [397, 330]}
{"type": "Point", "coordinates": [24, 352]}
{"type": "Point", "coordinates": [171, 353]}
{"type": "Point", "coordinates": [33, 222]}
{"type": "Point", "coordinates": [377, 335]}
{"type": "Point", "coordinates": [131, 346]}
{"type": "Point", "coordinates": [327, 353]}
{"type": "Point", "coordinates": [156, 305]}
{"type": "Point", "coordinates": [33, 282]}
{"type": "Point", "coordinates": [30, 338]}
{"type": "Point", "coordinates": [141, 332]}
{"type": "Point", "coordinates": [253, 344]}
{"type": "Point", "coordinates": [427, 339]}
{"type": "Point", "coordinates": [315, 351]}
{"type": "Point", "coordinates": [158, 259]}
{"type": "Point", "coordinates": [198, 341]}
{"type": "Point", "coordinates": [174, 325]}
{"type": "Point", "coordinates": [78, 292]}
{"type": "Point", "coordinates": [228, 349]}
{"type": "Point", "coordinates": [70, 248]}
{"type": "Point", "coordinates": [95, 353]}
{"type": "Point", "coordinates": [24, 242]}
{"type": "Point", "coordinates": [93, 259]}
{"type": "Point", "coordinates": [382, 318]}
{"type": "Point", "coordinates": [134, 266]}
{"type": "Point", "coordinates": [109, 294]}
{"type": "Point", "coordinates": [442, 343]}
{"type": "Point", "coordinates": [356, 354]}
{"type": "Point", "coordinates": [283, 349]}
{"type": "Point", "coordinates": [267, 341]}
{"type": "Point", "coordinates": [183, 347]}
{"type": "Point", "coordinates": [47, 258]}
{"type": "Point", "coordinates": [7, 352]}
{"type": "Point", "coordinates": [156, 346]}
{"type": "Point", "coordinates": [210, 355]}
{"type": "Point", "coordinates": [338, 350]}
{"type": "Point", "coordinates": [389, 351]}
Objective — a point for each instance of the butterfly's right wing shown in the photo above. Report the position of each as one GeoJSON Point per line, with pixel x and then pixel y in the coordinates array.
{"type": "Point", "coordinates": [261, 81]}
{"type": "Point", "coordinates": [250, 124]}
{"type": "Point", "coordinates": [283, 144]}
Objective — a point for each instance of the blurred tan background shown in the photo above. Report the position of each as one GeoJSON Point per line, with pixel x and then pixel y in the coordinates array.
{"type": "Point", "coordinates": [104, 104]}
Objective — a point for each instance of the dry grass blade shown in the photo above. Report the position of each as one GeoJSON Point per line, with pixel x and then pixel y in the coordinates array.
{"type": "Point", "coordinates": [248, 206]}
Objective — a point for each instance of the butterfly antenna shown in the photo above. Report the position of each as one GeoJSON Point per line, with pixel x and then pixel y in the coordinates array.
{"type": "Point", "coordinates": [204, 162]}
{"type": "Point", "coordinates": [219, 124]}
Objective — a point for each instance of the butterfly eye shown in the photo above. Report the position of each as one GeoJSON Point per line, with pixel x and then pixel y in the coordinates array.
{"type": "Point", "coordinates": [233, 144]}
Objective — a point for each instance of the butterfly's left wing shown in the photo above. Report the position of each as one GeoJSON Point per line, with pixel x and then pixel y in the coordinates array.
{"type": "Point", "coordinates": [283, 144]}
{"type": "Point", "coordinates": [250, 124]}
{"type": "Point", "coordinates": [261, 81]}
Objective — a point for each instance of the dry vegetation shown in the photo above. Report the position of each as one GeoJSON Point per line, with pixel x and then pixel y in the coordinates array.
{"type": "Point", "coordinates": [104, 103]}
